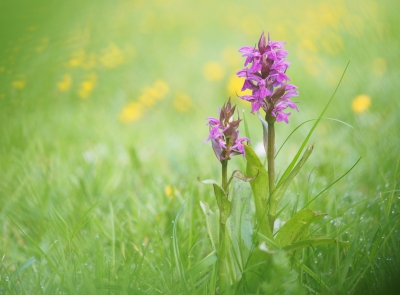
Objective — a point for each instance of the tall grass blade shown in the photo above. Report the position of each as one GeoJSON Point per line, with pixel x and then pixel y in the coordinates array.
{"type": "Point", "coordinates": [291, 165]}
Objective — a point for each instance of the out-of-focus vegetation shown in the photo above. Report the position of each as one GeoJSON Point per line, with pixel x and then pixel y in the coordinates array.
{"type": "Point", "coordinates": [104, 101]}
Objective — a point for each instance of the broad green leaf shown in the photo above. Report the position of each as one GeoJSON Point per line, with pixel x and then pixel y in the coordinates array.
{"type": "Point", "coordinates": [203, 265]}
{"type": "Point", "coordinates": [259, 187]}
{"type": "Point", "coordinates": [224, 204]}
{"type": "Point", "coordinates": [297, 228]}
{"type": "Point", "coordinates": [303, 145]}
{"type": "Point", "coordinates": [312, 242]}
{"type": "Point", "coordinates": [240, 223]}
{"type": "Point", "coordinates": [212, 222]}
{"type": "Point", "coordinates": [281, 189]}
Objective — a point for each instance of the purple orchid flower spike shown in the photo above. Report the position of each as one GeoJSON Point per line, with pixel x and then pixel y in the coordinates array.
{"type": "Point", "coordinates": [224, 134]}
{"type": "Point", "coordinates": [266, 78]}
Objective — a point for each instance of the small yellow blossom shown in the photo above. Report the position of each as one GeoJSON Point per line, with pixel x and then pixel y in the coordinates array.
{"type": "Point", "coordinates": [235, 85]}
{"type": "Point", "coordinates": [161, 87]}
{"type": "Point", "coordinates": [112, 56]}
{"type": "Point", "coordinates": [65, 83]}
{"type": "Point", "coordinates": [168, 191]}
{"type": "Point", "coordinates": [132, 112]}
{"type": "Point", "coordinates": [19, 84]}
{"type": "Point", "coordinates": [308, 44]}
{"type": "Point", "coordinates": [213, 71]}
{"type": "Point", "coordinates": [2, 69]}
{"type": "Point", "coordinates": [77, 59]}
{"type": "Point", "coordinates": [379, 66]}
{"type": "Point", "coordinates": [87, 86]}
{"type": "Point", "coordinates": [182, 102]}
{"type": "Point", "coordinates": [361, 103]}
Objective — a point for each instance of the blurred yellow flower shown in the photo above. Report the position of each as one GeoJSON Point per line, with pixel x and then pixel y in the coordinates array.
{"type": "Point", "coordinates": [168, 191]}
{"type": "Point", "coordinates": [182, 102]}
{"type": "Point", "coordinates": [308, 44]}
{"type": "Point", "coordinates": [77, 58]}
{"type": "Point", "coordinates": [161, 87]}
{"type": "Point", "coordinates": [2, 69]}
{"type": "Point", "coordinates": [112, 56]}
{"type": "Point", "coordinates": [213, 71]}
{"type": "Point", "coordinates": [379, 66]}
{"type": "Point", "coordinates": [19, 84]}
{"type": "Point", "coordinates": [87, 86]}
{"type": "Point", "coordinates": [65, 83]}
{"type": "Point", "coordinates": [361, 103]}
{"type": "Point", "coordinates": [235, 85]}
{"type": "Point", "coordinates": [132, 112]}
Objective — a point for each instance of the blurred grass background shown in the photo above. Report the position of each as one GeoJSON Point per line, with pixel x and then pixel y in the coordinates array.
{"type": "Point", "coordinates": [106, 100]}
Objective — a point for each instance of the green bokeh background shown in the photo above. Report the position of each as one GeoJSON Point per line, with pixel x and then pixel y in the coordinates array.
{"type": "Point", "coordinates": [68, 69]}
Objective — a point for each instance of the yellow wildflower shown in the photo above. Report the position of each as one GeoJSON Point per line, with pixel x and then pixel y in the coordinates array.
{"type": "Point", "coordinates": [182, 102]}
{"type": "Point", "coordinates": [77, 59]}
{"type": "Point", "coordinates": [65, 83]}
{"type": "Point", "coordinates": [112, 56]}
{"type": "Point", "coordinates": [235, 85]}
{"type": "Point", "coordinates": [361, 103]}
{"type": "Point", "coordinates": [168, 191]}
{"type": "Point", "coordinates": [161, 87]}
{"type": "Point", "coordinates": [87, 86]}
{"type": "Point", "coordinates": [213, 71]}
{"type": "Point", "coordinates": [19, 84]}
{"type": "Point", "coordinates": [132, 112]}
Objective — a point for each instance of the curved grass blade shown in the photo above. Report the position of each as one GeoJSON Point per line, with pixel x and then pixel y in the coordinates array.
{"type": "Point", "coordinates": [176, 251]}
{"type": "Point", "coordinates": [291, 165]}
{"type": "Point", "coordinates": [295, 129]}
{"type": "Point", "coordinates": [35, 245]}
{"type": "Point", "coordinates": [347, 172]}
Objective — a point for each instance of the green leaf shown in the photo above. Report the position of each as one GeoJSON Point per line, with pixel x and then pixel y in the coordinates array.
{"type": "Point", "coordinates": [281, 189]}
{"type": "Point", "coordinates": [240, 223]}
{"type": "Point", "coordinates": [224, 204]}
{"type": "Point", "coordinates": [303, 145]}
{"type": "Point", "coordinates": [297, 228]}
{"type": "Point", "coordinates": [212, 222]}
{"type": "Point", "coordinates": [259, 187]}
{"type": "Point", "coordinates": [239, 175]}
{"type": "Point", "coordinates": [312, 242]}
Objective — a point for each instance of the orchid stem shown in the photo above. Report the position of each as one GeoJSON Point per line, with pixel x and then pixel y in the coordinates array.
{"type": "Point", "coordinates": [271, 167]}
{"type": "Point", "coordinates": [223, 238]}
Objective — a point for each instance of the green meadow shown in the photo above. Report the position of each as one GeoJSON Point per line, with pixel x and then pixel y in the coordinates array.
{"type": "Point", "coordinates": [102, 129]}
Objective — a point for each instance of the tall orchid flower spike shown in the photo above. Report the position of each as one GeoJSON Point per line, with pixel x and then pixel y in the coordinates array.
{"type": "Point", "coordinates": [266, 78]}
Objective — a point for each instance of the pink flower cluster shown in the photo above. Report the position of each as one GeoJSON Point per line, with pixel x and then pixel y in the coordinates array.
{"type": "Point", "coordinates": [224, 134]}
{"type": "Point", "coordinates": [266, 78]}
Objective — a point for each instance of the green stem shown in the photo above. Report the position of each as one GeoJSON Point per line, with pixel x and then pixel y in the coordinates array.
{"type": "Point", "coordinates": [270, 157]}
{"type": "Point", "coordinates": [271, 167]}
{"type": "Point", "coordinates": [223, 259]}
{"type": "Point", "coordinates": [224, 176]}
{"type": "Point", "coordinates": [223, 239]}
